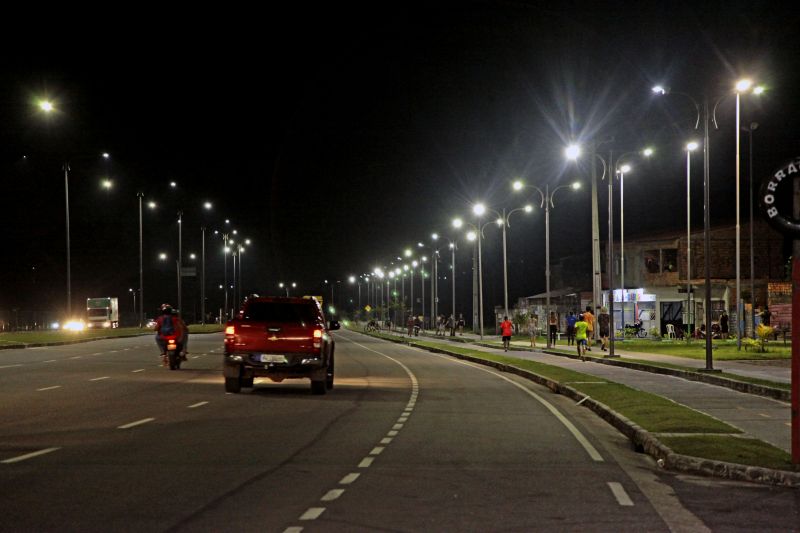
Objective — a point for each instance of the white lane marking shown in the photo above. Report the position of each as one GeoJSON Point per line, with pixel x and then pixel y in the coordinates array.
{"type": "Point", "coordinates": [366, 462]}
{"type": "Point", "coordinates": [137, 423]}
{"type": "Point", "coordinates": [137, 370]}
{"type": "Point", "coordinates": [96, 353]}
{"type": "Point", "coordinates": [293, 529]}
{"type": "Point", "coordinates": [9, 366]}
{"type": "Point", "coordinates": [397, 426]}
{"type": "Point", "coordinates": [392, 433]}
{"type": "Point", "coordinates": [195, 357]}
{"type": "Point", "coordinates": [198, 404]}
{"type": "Point", "coordinates": [49, 388]}
{"type": "Point", "coordinates": [113, 351]}
{"type": "Point", "coordinates": [100, 378]}
{"type": "Point", "coordinates": [77, 357]}
{"type": "Point", "coordinates": [591, 450]}
{"type": "Point", "coordinates": [349, 479]}
{"type": "Point", "coordinates": [403, 419]}
{"type": "Point", "coordinates": [312, 513]}
{"type": "Point", "coordinates": [49, 361]}
{"type": "Point", "coordinates": [28, 456]}
{"type": "Point", "coordinates": [619, 493]}
{"type": "Point", "coordinates": [376, 450]}
{"type": "Point", "coordinates": [386, 440]}
{"type": "Point", "coordinates": [765, 416]}
{"type": "Point", "coordinates": [332, 495]}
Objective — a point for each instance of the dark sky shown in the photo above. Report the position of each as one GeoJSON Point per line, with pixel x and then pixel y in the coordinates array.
{"type": "Point", "coordinates": [334, 138]}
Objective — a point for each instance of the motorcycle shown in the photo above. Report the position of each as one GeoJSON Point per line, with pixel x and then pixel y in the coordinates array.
{"type": "Point", "coordinates": [174, 356]}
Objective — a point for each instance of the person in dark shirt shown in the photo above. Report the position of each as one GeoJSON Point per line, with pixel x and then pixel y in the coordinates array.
{"type": "Point", "coordinates": [723, 325]}
{"type": "Point", "coordinates": [765, 316]}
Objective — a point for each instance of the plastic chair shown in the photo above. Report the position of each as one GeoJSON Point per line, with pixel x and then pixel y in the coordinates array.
{"type": "Point", "coordinates": [670, 331]}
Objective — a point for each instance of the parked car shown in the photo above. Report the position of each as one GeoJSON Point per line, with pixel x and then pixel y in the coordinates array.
{"type": "Point", "coordinates": [279, 338]}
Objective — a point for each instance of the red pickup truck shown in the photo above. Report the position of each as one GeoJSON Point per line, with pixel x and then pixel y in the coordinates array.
{"type": "Point", "coordinates": [279, 338]}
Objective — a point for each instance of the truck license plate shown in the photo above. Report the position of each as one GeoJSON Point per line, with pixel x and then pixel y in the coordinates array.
{"type": "Point", "coordinates": [272, 358]}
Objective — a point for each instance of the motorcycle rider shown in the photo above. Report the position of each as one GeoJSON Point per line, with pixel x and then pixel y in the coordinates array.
{"type": "Point", "coordinates": [168, 325]}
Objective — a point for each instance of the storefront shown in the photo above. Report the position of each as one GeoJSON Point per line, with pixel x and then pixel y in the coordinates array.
{"type": "Point", "coordinates": [632, 306]}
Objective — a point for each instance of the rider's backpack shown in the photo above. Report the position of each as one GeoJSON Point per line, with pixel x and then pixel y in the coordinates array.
{"type": "Point", "coordinates": [167, 327]}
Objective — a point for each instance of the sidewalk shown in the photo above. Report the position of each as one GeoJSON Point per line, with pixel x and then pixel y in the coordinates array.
{"type": "Point", "coordinates": [763, 418]}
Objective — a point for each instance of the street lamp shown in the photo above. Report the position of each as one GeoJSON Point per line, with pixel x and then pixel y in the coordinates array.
{"type": "Point", "coordinates": [207, 206]}
{"type": "Point", "coordinates": [547, 202]}
{"type": "Point", "coordinates": [753, 126]}
{"type": "Point", "coordinates": [504, 221]}
{"type": "Point", "coordinates": [690, 147]}
{"type": "Point", "coordinates": [660, 90]}
{"type": "Point", "coordinates": [478, 210]}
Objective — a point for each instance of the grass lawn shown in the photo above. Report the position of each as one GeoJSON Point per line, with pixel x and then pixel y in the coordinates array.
{"type": "Point", "coordinates": [36, 337]}
{"type": "Point", "coordinates": [696, 349]}
{"type": "Point", "coordinates": [731, 449]}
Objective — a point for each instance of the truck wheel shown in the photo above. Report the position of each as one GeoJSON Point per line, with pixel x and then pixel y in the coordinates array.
{"type": "Point", "coordinates": [233, 385]}
{"type": "Point", "coordinates": [329, 376]}
{"type": "Point", "coordinates": [318, 387]}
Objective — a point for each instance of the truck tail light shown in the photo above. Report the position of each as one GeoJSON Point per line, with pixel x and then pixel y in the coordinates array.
{"type": "Point", "coordinates": [317, 333]}
{"type": "Point", "coordinates": [230, 330]}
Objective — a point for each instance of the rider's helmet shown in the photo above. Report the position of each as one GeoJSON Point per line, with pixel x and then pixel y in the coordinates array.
{"type": "Point", "coordinates": [166, 309]}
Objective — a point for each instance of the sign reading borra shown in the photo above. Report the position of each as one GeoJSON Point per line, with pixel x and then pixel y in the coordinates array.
{"type": "Point", "coordinates": [769, 196]}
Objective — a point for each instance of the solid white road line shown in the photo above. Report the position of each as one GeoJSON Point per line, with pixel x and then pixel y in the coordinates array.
{"type": "Point", "coordinates": [9, 366]}
{"type": "Point", "coordinates": [137, 423]}
{"type": "Point", "coordinates": [50, 361]}
{"type": "Point", "coordinates": [198, 404]}
{"type": "Point", "coordinates": [48, 388]}
{"type": "Point", "coordinates": [312, 513]}
{"type": "Point", "coordinates": [349, 478]}
{"type": "Point", "coordinates": [100, 378]}
{"type": "Point", "coordinates": [366, 462]}
{"type": "Point", "coordinates": [620, 494]}
{"type": "Point", "coordinates": [28, 456]}
{"type": "Point", "coordinates": [77, 357]}
{"type": "Point", "coordinates": [332, 495]}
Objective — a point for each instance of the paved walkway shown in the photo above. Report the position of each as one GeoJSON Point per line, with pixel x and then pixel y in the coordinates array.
{"type": "Point", "coordinates": [763, 418]}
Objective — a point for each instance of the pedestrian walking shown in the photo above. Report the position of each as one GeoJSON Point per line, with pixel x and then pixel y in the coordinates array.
{"type": "Point", "coordinates": [571, 319]}
{"type": "Point", "coordinates": [603, 323]}
{"type": "Point", "coordinates": [588, 317]}
{"type": "Point", "coordinates": [766, 315]}
{"type": "Point", "coordinates": [724, 326]}
{"type": "Point", "coordinates": [533, 329]}
{"type": "Point", "coordinates": [581, 333]}
{"type": "Point", "coordinates": [410, 325]}
{"type": "Point", "coordinates": [451, 325]}
{"type": "Point", "coordinates": [552, 324]}
{"type": "Point", "coordinates": [506, 330]}
{"type": "Point", "coordinates": [461, 324]}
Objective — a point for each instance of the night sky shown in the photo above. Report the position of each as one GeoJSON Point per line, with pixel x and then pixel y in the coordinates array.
{"type": "Point", "coordinates": [334, 138]}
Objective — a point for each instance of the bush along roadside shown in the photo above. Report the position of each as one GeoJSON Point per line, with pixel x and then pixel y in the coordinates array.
{"type": "Point", "coordinates": [678, 437]}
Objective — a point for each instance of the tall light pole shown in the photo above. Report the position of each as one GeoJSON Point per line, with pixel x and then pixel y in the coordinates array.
{"type": "Point", "coordinates": [753, 126]}
{"type": "Point", "coordinates": [140, 196]}
{"type": "Point", "coordinates": [621, 170]}
{"type": "Point", "coordinates": [504, 221]}
{"type": "Point", "coordinates": [546, 202]}
{"type": "Point", "coordinates": [478, 210]}
{"type": "Point", "coordinates": [690, 147]}
{"type": "Point", "coordinates": [453, 248]}
{"type": "Point", "coordinates": [741, 86]}
{"type": "Point", "coordinates": [208, 206]}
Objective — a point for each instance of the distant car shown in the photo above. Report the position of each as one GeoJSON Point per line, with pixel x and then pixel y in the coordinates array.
{"type": "Point", "coordinates": [151, 323]}
{"type": "Point", "coordinates": [279, 338]}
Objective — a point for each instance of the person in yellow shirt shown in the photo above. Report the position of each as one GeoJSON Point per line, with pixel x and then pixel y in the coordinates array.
{"type": "Point", "coordinates": [588, 317]}
{"type": "Point", "coordinates": [581, 331]}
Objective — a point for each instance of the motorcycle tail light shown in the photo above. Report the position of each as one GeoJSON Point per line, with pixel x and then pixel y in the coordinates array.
{"type": "Point", "coordinates": [230, 330]}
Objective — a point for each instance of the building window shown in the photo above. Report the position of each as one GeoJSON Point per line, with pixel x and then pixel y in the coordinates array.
{"type": "Point", "coordinates": [669, 260]}
{"type": "Point", "coordinates": [652, 262]}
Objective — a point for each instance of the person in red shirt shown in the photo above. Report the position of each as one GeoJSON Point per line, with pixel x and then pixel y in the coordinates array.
{"type": "Point", "coordinates": [506, 330]}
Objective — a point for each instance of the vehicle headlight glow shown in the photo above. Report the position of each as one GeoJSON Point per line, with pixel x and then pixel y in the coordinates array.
{"type": "Point", "coordinates": [74, 325]}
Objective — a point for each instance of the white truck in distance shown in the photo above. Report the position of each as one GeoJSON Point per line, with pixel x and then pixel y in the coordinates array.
{"type": "Point", "coordinates": [102, 313]}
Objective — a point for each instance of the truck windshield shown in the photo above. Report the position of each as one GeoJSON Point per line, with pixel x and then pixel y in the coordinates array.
{"type": "Point", "coordinates": [280, 312]}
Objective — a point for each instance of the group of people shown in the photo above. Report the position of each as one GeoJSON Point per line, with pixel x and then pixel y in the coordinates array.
{"type": "Point", "coordinates": [579, 329]}
{"type": "Point", "coordinates": [449, 324]}
{"type": "Point", "coordinates": [722, 328]}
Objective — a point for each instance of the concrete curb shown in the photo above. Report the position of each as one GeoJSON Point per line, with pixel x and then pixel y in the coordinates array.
{"type": "Point", "coordinates": [643, 440]}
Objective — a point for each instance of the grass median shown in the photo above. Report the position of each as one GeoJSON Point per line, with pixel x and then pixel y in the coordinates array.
{"type": "Point", "coordinates": [56, 336]}
{"type": "Point", "coordinates": [685, 430]}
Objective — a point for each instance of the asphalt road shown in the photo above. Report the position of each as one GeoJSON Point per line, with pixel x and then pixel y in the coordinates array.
{"type": "Point", "coordinates": [100, 437]}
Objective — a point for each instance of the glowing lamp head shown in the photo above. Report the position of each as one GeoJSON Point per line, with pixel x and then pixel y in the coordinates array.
{"type": "Point", "coordinates": [408, 252]}
{"type": "Point", "coordinates": [46, 106]}
{"type": "Point", "coordinates": [573, 151]}
{"type": "Point", "coordinates": [518, 185]}
{"type": "Point", "coordinates": [692, 146]}
{"type": "Point", "coordinates": [471, 236]}
{"type": "Point", "coordinates": [528, 208]}
{"type": "Point", "coordinates": [743, 85]}
{"type": "Point", "coordinates": [479, 209]}
{"type": "Point", "coordinates": [625, 169]}
{"type": "Point", "coordinates": [457, 223]}
{"type": "Point", "coordinates": [659, 89]}
{"type": "Point", "coordinates": [435, 236]}
{"type": "Point", "coordinates": [576, 185]}
{"type": "Point", "coordinates": [759, 89]}
{"type": "Point", "coordinates": [647, 152]}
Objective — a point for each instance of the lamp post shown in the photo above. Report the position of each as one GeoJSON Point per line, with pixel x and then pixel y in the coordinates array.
{"type": "Point", "coordinates": [704, 113]}
{"type": "Point", "coordinates": [546, 203]}
{"type": "Point", "coordinates": [453, 247]}
{"type": "Point", "coordinates": [690, 147]}
{"type": "Point", "coordinates": [133, 293]}
{"type": "Point", "coordinates": [504, 221]}
{"type": "Point", "coordinates": [621, 170]}
{"type": "Point", "coordinates": [753, 126]}
{"type": "Point", "coordinates": [478, 210]}
{"type": "Point", "coordinates": [208, 206]}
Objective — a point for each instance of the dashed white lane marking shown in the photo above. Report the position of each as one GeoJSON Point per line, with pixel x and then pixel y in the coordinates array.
{"type": "Point", "coordinates": [77, 357]}
{"type": "Point", "coordinates": [392, 433]}
{"type": "Point", "coordinates": [765, 416]}
{"type": "Point", "coordinates": [349, 478]}
{"type": "Point", "coordinates": [293, 529]}
{"type": "Point", "coordinates": [9, 366]}
{"type": "Point", "coordinates": [386, 440]}
{"type": "Point", "coordinates": [137, 370]}
{"type": "Point", "coordinates": [619, 493]}
{"type": "Point", "coordinates": [195, 357]}
{"type": "Point", "coordinates": [397, 426]}
{"type": "Point", "coordinates": [50, 361]}
{"type": "Point", "coordinates": [48, 388]}
{"type": "Point", "coordinates": [366, 462]}
{"type": "Point", "coordinates": [28, 456]}
{"type": "Point", "coordinates": [113, 351]}
{"type": "Point", "coordinates": [312, 513]}
{"type": "Point", "coordinates": [137, 423]}
{"type": "Point", "coordinates": [377, 450]}
{"type": "Point", "coordinates": [332, 495]}
{"type": "Point", "coordinates": [198, 404]}
{"type": "Point", "coordinates": [96, 353]}
{"type": "Point", "coordinates": [100, 378]}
